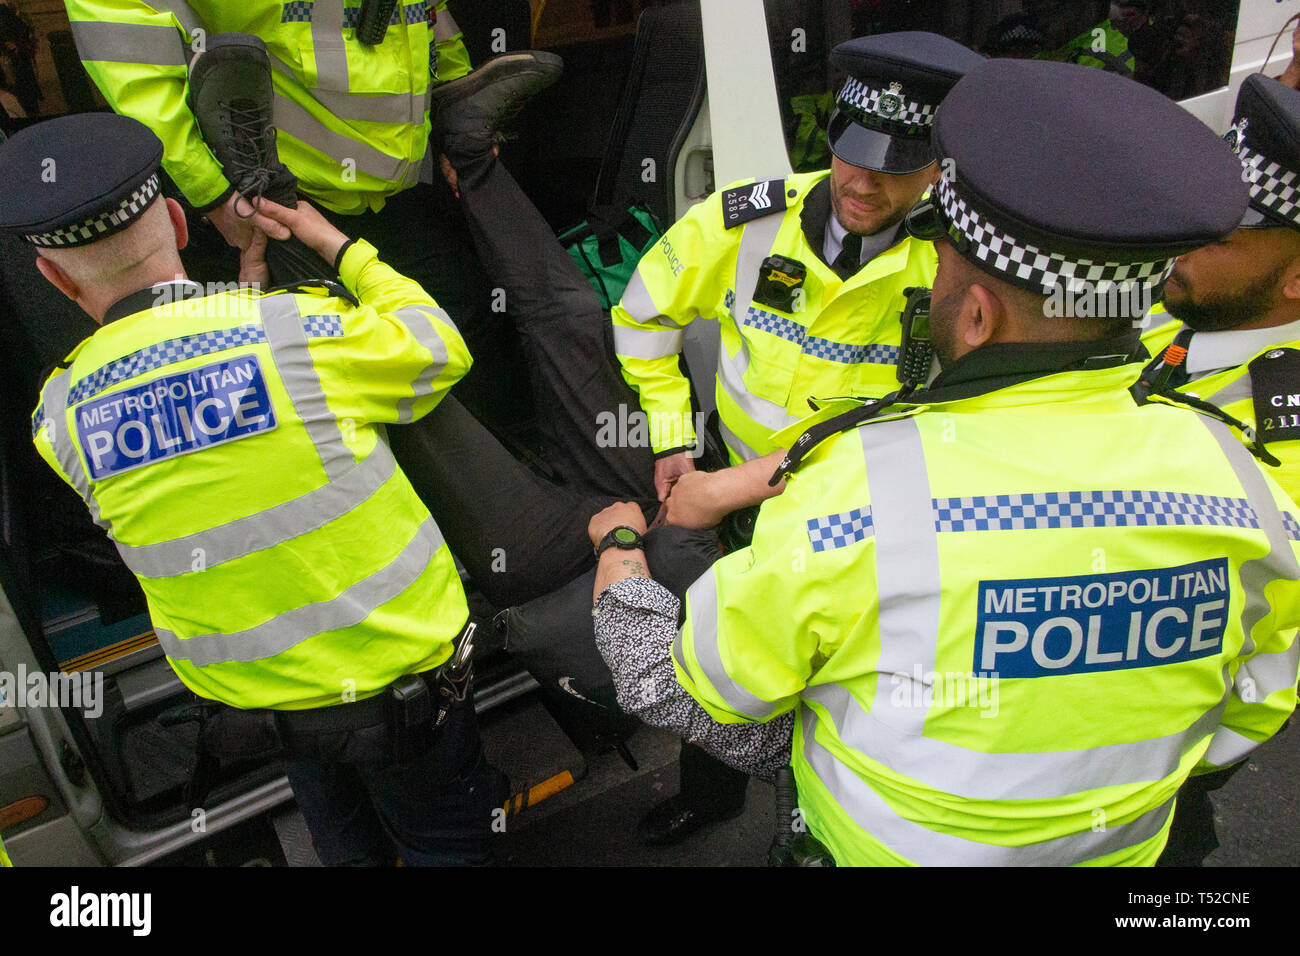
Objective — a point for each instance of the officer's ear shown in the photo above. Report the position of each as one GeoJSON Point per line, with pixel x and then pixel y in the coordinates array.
{"type": "Point", "coordinates": [179, 224]}
{"type": "Point", "coordinates": [982, 317]}
{"type": "Point", "coordinates": [58, 278]}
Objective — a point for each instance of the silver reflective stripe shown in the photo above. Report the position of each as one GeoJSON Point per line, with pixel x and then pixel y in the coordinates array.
{"type": "Point", "coordinates": [183, 12]}
{"type": "Point", "coordinates": [892, 732]}
{"type": "Point", "coordinates": [1280, 562]}
{"type": "Point", "coordinates": [1274, 672]}
{"type": "Point", "coordinates": [637, 303]}
{"type": "Point", "coordinates": [327, 45]}
{"type": "Point", "coordinates": [755, 246]}
{"type": "Point", "coordinates": [978, 775]}
{"type": "Point", "coordinates": [55, 396]}
{"type": "Point", "coordinates": [353, 107]}
{"type": "Point", "coordinates": [907, 564]}
{"type": "Point", "coordinates": [731, 376]}
{"type": "Point", "coordinates": [287, 630]}
{"type": "Point", "coordinates": [1228, 747]}
{"type": "Point", "coordinates": [647, 344]}
{"type": "Point", "coordinates": [129, 43]}
{"type": "Point", "coordinates": [292, 119]}
{"type": "Point", "coordinates": [265, 529]}
{"type": "Point", "coordinates": [1235, 391]}
{"type": "Point", "coordinates": [735, 444]}
{"type": "Point", "coordinates": [445, 28]}
{"type": "Point", "coordinates": [928, 847]}
{"type": "Point", "coordinates": [417, 319]}
{"type": "Point", "coordinates": [288, 341]}
{"type": "Point", "coordinates": [702, 597]}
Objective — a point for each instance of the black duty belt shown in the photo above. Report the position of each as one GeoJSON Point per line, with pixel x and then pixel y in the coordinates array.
{"type": "Point", "coordinates": [411, 708]}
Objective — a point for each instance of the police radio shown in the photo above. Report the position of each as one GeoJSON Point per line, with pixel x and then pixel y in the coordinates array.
{"type": "Point", "coordinates": [916, 351]}
{"type": "Point", "coordinates": [372, 22]}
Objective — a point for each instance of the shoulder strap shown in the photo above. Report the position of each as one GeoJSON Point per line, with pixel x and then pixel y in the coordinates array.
{"type": "Point", "coordinates": [742, 204]}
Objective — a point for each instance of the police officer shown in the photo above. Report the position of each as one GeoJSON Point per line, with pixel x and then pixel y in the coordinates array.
{"type": "Point", "coordinates": [806, 278]}
{"type": "Point", "coordinates": [1236, 341]}
{"type": "Point", "coordinates": [352, 122]}
{"type": "Point", "coordinates": [231, 445]}
{"type": "Point", "coordinates": [335, 97]}
{"type": "Point", "coordinates": [1003, 643]}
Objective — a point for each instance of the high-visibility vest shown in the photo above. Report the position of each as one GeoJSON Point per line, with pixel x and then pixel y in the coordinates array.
{"type": "Point", "coordinates": [233, 449]}
{"type": "Point", "coordinates": [1006, 641]}
{"type": "Point", "coordinates": [1232, 390]}
{"type": "Point", "coordinates": [1113, 56]}
{"type": "Point", "coordinates": [4, 857]}
{"type": "Point", "coordinates": [843, 341]}
{"type": "Point", "coordinates": [352, 120]}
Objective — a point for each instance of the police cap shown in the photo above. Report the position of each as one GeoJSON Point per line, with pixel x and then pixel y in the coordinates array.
{"type": "Point", "coordinates": [77, 179]}
{"type": "Point", "coordinates": [1265, 134]}
{"type": "Point", "coordinates": [895, 83]}
{"type": "Point", "coordinates": [1055, 185]}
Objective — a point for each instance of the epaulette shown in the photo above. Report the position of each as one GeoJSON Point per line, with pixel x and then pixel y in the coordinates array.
{"type": "Point", "coordinates": [316, 287]}
{"type": "Point", "coordinates": [742, 204]}
{"type": "Point", "coordinates": [1275, 385]}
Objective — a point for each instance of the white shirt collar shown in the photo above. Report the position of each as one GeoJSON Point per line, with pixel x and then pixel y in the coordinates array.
{"type": "Point", "coordinates": [1212, 351]}
{"type": "Point", "coordinates": [834, 241]}
{"type": "Point", "coordinates": [872, 245]}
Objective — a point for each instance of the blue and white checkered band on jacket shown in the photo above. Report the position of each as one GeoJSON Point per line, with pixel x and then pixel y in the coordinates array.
{"type": "Point", "coordinates": [101, 224]}
{"type": "Point", "coordinates": [1026, 266]}
{"type": "Point", "coordinates": [1273, 188]}
{"type": "Point", "coordinates": [889, 109]}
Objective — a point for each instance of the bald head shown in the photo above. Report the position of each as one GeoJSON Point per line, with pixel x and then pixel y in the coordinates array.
{"type": "Point", "coordinates": [100, 273]}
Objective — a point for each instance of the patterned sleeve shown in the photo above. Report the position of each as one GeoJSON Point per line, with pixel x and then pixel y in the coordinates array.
{"type": "Point", "coordinates": [636, 622]}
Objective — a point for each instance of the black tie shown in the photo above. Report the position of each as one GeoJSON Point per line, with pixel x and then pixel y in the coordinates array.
{"type": "Point", "coordinates": [1169, 368]}
{"type": "Point", "coordinates": [850, 258]}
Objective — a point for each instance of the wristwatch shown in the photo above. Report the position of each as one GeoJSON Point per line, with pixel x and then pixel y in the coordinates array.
{"type": "Point", "coordinates": [623, 537]}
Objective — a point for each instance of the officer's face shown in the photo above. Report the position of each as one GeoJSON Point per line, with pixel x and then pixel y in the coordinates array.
{"type": "Point", "coordinates": [865, 202]}
{"type": "Point", "coordinates": [1237, 283]}
{"type": "Point", "coordinates": [1126, 18]}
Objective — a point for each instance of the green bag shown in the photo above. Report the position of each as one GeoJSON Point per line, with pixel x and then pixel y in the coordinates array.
{"type": "Point", "coordinates": [608, 246]}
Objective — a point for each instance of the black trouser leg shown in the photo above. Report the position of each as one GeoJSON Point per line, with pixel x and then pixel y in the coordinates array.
{"type": "Point", "coordinates": [576, 383]}
{"type": "Point", "coordinates": [708, 783]}
{"type": "Point", "coordinates": [421, 232]}
{"type": "Point", "coordinates": [1192, 835]}
{"type": "Point", "coordinates": [518, 535]}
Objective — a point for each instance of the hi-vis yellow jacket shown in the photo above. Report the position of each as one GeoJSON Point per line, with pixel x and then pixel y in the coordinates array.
{"type": "Point", "coordinates": [233, 448]}
{"type": "Point", "coordinates": [843, 341]}
{"type": "Point", "coordinates": [4, 857]}
{"type": "Point", "coordinates": [1004, 642]}
{"type": "Point", "coordinates": [1233, 390]}
{"type": "Point", "coordinates": [352, 120]}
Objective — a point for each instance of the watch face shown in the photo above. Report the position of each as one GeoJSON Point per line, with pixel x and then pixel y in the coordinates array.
{"type": "Point", "coordinates": [625, 536]}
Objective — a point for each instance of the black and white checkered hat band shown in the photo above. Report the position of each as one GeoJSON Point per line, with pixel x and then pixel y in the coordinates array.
{"type": "Point", "coordinates": [867, 100]}
{"type": "Point", "coordinates": [103, 224]}
{"type": "Point", "coordinates": [1029, 267]}
{"type": "Point", "coordinates": [1271, 186]}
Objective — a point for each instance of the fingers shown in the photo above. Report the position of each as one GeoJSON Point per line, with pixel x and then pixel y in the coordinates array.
{"type": "Point", "coordinates": [661, 517]}
{"type": "Point", "coordinates": [252, 260]}
{"type": "Point", "coordinates": [272, 218]}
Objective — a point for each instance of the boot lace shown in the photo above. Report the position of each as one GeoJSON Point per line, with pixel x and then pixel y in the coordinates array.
{"type": "Point", "coordinates": [254, 141]}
